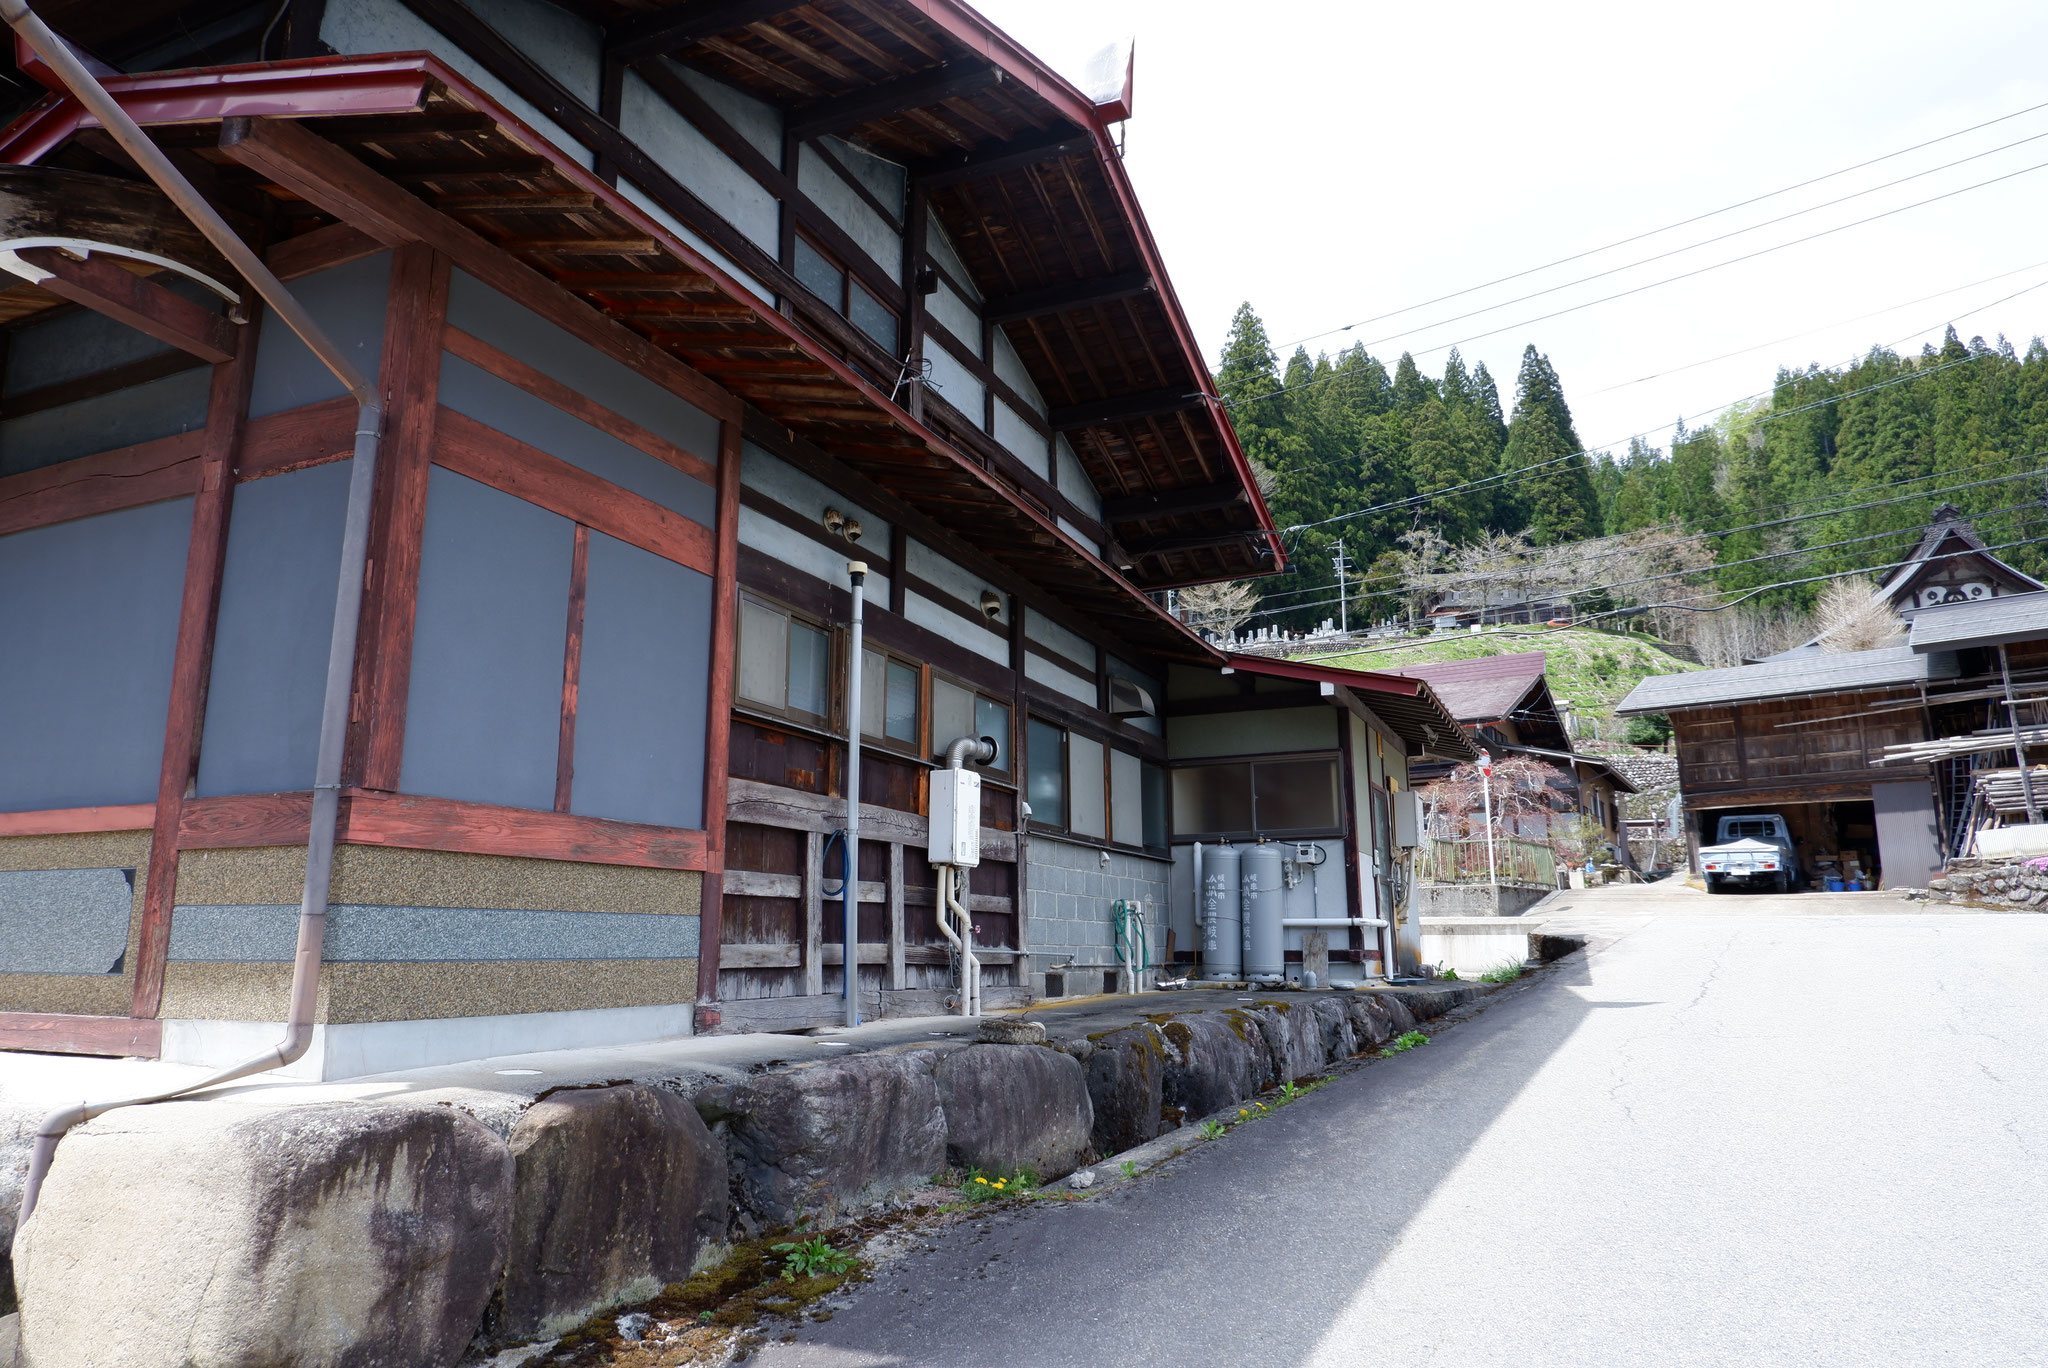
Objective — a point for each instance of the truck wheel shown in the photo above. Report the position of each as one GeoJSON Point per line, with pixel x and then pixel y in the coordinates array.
{"type": "Point", "coordinates": [1781, 882]}
{"type": "Point", "coordinates": [1715, 885]}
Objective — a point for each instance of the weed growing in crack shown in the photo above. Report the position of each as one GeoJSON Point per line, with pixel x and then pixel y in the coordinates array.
{"type": "Point", "coordinates": [1129, 1167]}
{"type": "Point", "coordinates": [1404, 1042]}
{"type": "Point", "coordinates": [1507, 971]}
{"type": "Point", "coordinates": [1212, 1130]}
{"type": "Point", "coordinates": [809, 1258]}
{"type": "Point", "coordinates": [977, 1186]}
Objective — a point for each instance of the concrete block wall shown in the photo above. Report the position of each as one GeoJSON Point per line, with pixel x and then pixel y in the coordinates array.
{"type": "Point", "coordinates": [1071, 888]}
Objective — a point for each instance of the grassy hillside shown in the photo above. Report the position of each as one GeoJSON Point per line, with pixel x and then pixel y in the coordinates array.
{"type": "Point", "coordinates": [1589, 669]}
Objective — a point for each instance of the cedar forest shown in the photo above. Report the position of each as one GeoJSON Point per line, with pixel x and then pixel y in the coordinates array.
{"type": "Point", "coordinates": [1842, 467]}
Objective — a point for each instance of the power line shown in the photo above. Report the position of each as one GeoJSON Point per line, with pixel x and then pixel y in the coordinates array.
{"type": "Point", "coordinates": [1639, 289]}
{"type": "Point", "coordinates": [1843, 323]}
{"type": "Point", "coordinates": [1669, 227]}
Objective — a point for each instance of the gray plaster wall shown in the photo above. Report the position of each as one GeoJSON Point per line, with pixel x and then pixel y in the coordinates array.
{"type": "Point", "coordinates": [65, 921]}
{"type": "Point", "coordinates": [348, 303]}
{"type": "Point", "coordinates": [88, 628]}
{"type": "Point", "coordinates": [483, 710]}
{"type": "Point", "coordinates": [357, 933]}
{"type": "Point", "coordinates": [1070, 891]}
{"type": "Point", "coordinates": [270, 647]}
{"type": "Point", "coordinates": [644, 688]}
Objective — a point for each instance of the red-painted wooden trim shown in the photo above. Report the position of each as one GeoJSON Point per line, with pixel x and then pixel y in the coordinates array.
{"type": "Point", "coordinates": [411, 383]}
{"type": "Point", "coordinates": [144, 474]}
{"type": "Point", "coordinates": [67, 821]}
{"type": "Point", "coordinates": [483, 453]}
{"type": "Point", "coordinates": [226, 410]}
{"type": "Point", "coordinates": [407, 820]}
{"type": "Point", "coordinates": [98, 284]}
{"type": "Point", "coordinates": [396, 819]}
{"type": "Point", "coordinates": [297, 438]}
{"type": "Point", "coordinates": [335, 245]}
{"type": "Point", "coordinates": [572, 669]}
{"type": "Point", "coordinates": [718, 712]}
{"type": "Point", "coordinates": [511, 369]}
{"type": "Point", "coordinates": [51, 1033]}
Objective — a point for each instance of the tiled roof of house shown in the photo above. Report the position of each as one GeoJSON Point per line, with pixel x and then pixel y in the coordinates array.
{"type": "Point", "coordinates": [1480, 690]}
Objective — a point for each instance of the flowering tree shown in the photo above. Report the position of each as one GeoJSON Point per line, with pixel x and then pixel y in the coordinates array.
{"type": "Point", "coordinates": [1522, 804]}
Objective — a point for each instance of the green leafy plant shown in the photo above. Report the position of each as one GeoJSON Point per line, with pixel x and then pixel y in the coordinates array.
{"type": "Point", "coordinates": [1507, 971]}
{"type": "Point", "coordinates": [1406, 1041]}
{"type": "Point", "coordinates": [809, 1258]}
{"type": "Point", "coordinates": [1451, 974]}
{"type": "Point", "coordinates": [1129, 1167]}
{"type": "Point", "coordinates": [1212, 1130]}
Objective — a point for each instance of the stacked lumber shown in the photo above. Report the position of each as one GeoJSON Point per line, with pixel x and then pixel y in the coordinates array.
{"type": "Point", "coordinates": [1971, 743]}
{"type": "Point", "coordinates": [2001, 788]}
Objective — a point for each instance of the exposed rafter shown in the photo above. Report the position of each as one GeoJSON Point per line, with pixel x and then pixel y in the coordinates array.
{"type": "Point", "coordinates": [681, 26]}
{"type": "Point", "coordinates": [921, 91]}
{"type": "Point", "coordinates": [997, 158]}
{"type": "Point", "coordinates": [1207, 498]}
{"type": "Point", "coordinates": [1053, 299]}
{"type": "Point", "coordinates": [1124, 408]}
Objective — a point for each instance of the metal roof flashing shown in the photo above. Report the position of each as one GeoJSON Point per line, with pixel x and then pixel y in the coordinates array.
{"type": "Point", "coordinates": [1885, 667]}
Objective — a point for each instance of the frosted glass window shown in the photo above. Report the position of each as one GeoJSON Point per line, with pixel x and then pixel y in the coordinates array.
{"type": "Point", "coordinates": [1155, 806]}
{"type": "Point", "coordinates": [888, 698]}
{"type": "Point", "coordinates": [872, 317]}
{"type": "Point", "coordinates": [1086, 803]}
{"type": "Point", "coordinates": [1126, 798]}
{"type": "Point", "coordinates": [992, 719]}
{"type": "Point", "coordinates": [819, 275]}
{"type": "Point", "coordinates": [1210, 799]}
{"type": "Point", "coordinates": [810, 670]}
{"type": "Point", "coordinates": [952, 714]}
{"type": "Point", "coordinates": [764, 654]}
{"type": "Point", "coordinates": [1046, 789]}
{"type": "Point", "coordinates": [1295, 795]}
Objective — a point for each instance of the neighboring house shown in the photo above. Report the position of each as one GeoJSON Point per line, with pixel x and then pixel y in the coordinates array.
{"type": "Point", "coordinates": [1496, 607]}
{"type": "Point", "coordinates": [1504, 704]}
{"type": "Point", "coordinates": [674, 312]}
{"type": "Point", "coordinates": [1868, 754]}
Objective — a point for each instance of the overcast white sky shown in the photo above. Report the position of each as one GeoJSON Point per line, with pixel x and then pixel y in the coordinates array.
{"type": "Point", "coordinates": [1330, 161]}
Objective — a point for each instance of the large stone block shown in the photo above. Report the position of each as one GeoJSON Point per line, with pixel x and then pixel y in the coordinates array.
{"type": "Point", "coordinates": [830, 1136]}
{"type": "Point", "coordinates": [1371, 1019]}
{"type": "Point", "coordinates": [1015, 1106]}
{"type": "Point", "coordinates": [1339, 1036]}
{"type": "Point", "coordinates": [1399, 1015]}
{"type": "Point", "coordinates": [1126, 1080]}
{"type": "Point", "coordinates": [1294, 1039]}
{"type": "Point", "coordinates": [210, 1235]}
{"type": "Point", "coordinates": [615, 1191]}
{"type": "Point", "coordinates": [1214, 1060]}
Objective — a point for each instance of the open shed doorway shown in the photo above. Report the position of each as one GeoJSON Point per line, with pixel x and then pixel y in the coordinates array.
{"type": "Point", "coordinates": [1834, 840]}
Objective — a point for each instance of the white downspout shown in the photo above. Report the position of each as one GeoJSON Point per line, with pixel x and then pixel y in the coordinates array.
{"type": "Point", "coordinates": [348, 594]}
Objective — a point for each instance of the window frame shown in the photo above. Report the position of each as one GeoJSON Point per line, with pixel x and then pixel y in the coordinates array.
{"type": "Point", "coordinates": [842, 302]}
{"type": "Point", "coordinates": [1111, 746]}
{"type": "Point", "coordinates": [921, 671]}
{"type": "Point", "coordinates": [1333, 832]}
{"type": "Point", "coordinates": [825, 722]}
{"type": "Point", "coordinates": [1008, 703]}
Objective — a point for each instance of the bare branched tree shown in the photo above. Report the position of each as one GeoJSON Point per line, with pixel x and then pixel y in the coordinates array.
{"type": "Point", "coordinates": [1853, 616]}
{"type": "Point", "coordinates": [1747, 631]}
{"type": "Point", "coordinates": [1520, 790]}
{"type": "Point", "coordinates": [1220, 608]}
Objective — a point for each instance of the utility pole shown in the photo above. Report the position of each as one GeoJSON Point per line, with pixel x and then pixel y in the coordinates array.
{"type": "Point", "coordinates": [1486, 797]}
{"type": "Point", "coordinates": [1343, 601]}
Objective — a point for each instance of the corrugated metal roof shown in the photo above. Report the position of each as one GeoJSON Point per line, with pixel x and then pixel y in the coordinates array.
{"type": "Point", "coordinates": [1814, 674]}
{"type": "Point", "coordinates": [1409, 706]}
{"type": "Point", "coordinates": [1980, 622]}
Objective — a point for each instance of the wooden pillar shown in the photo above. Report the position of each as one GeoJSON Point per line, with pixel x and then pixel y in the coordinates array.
{"type": "Point", "coordinates": [718, 708]}
{"type": "Point", "coordinates": [896, 972]}
{"type": "Point", "coordinates": [410, 381]}
{"type": "Point", "coordinates": [813, 891]}
{"type": "Point", "coordinates": [915, 263]}
{"type": "Point", "coordinates": [227, 409]}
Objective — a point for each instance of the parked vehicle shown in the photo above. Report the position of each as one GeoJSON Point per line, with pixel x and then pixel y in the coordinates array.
{"type": "Point", "coordinates": [1751, 850]}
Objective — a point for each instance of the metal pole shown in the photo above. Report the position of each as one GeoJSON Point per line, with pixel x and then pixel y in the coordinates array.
{"type": "Point", "coordinates": [1343, 603]}
{"type": "Point", "coordinates": [1486, 797]}
{"type": "Point", "coordinates": [849, 888]}
{"type": "Point", "coordinates": [2019, 745]}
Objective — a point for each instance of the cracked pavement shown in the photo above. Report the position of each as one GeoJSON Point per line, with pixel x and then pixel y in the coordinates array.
{"type": "Point", "coordinates": [1801, 1130]}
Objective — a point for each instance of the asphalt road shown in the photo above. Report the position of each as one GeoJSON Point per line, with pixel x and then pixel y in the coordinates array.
{"type": "Point", "coordinates": [1747, 1131]}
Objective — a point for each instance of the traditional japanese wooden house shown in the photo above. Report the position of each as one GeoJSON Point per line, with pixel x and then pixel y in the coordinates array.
{"type": "Point", "coordinates": [674, 311]}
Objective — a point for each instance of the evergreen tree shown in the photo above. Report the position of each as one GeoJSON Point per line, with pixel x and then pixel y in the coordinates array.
{"type": "Point", "coordinates": [1550, 484]}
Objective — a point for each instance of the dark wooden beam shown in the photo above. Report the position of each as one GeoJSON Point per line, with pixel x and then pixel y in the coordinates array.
{"type": "Point", "coordinates": [1173, 503]}
{"type": "Point", "coordinates": [681, 26]}
{"type": "Point", "coordinates": [1189, 541]}
{"type": "Point", "coordinates": [1054, 299]}
{"type": "Point", "coordinates": [996, 158]}
{"type": "Point", "coordinates": [1125, 408]}
{"type": "Point", "coordinates": [925, 89]}
{"type": "Point", "coordinates": [98, 284]}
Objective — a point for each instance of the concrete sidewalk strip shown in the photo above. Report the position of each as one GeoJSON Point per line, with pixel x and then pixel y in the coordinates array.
{"type": "Point", "coordinates": [508, 1199]}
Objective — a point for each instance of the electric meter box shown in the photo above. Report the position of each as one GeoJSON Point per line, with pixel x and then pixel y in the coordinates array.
{"type": "Point", "coordinates": [956, 818]}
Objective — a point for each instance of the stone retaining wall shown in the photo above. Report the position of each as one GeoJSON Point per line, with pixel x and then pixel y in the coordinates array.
{"type": "Point", "coordinates": [411, 1231]}
{"type": "Point", "coordinates": [2014, 884]}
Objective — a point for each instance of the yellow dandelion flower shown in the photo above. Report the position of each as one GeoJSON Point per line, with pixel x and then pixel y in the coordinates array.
{"type": "Point", "coordinates": [982, 1181]}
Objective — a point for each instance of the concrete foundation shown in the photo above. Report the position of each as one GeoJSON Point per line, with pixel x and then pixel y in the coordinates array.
{"type": "Point", "coordinates": [1476, 900]}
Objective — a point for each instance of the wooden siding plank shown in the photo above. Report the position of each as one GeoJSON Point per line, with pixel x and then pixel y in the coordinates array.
{"type": "Point", "coordinates": [52, 1033]}
{"type": "Point", "coordinates": [69, 821]}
